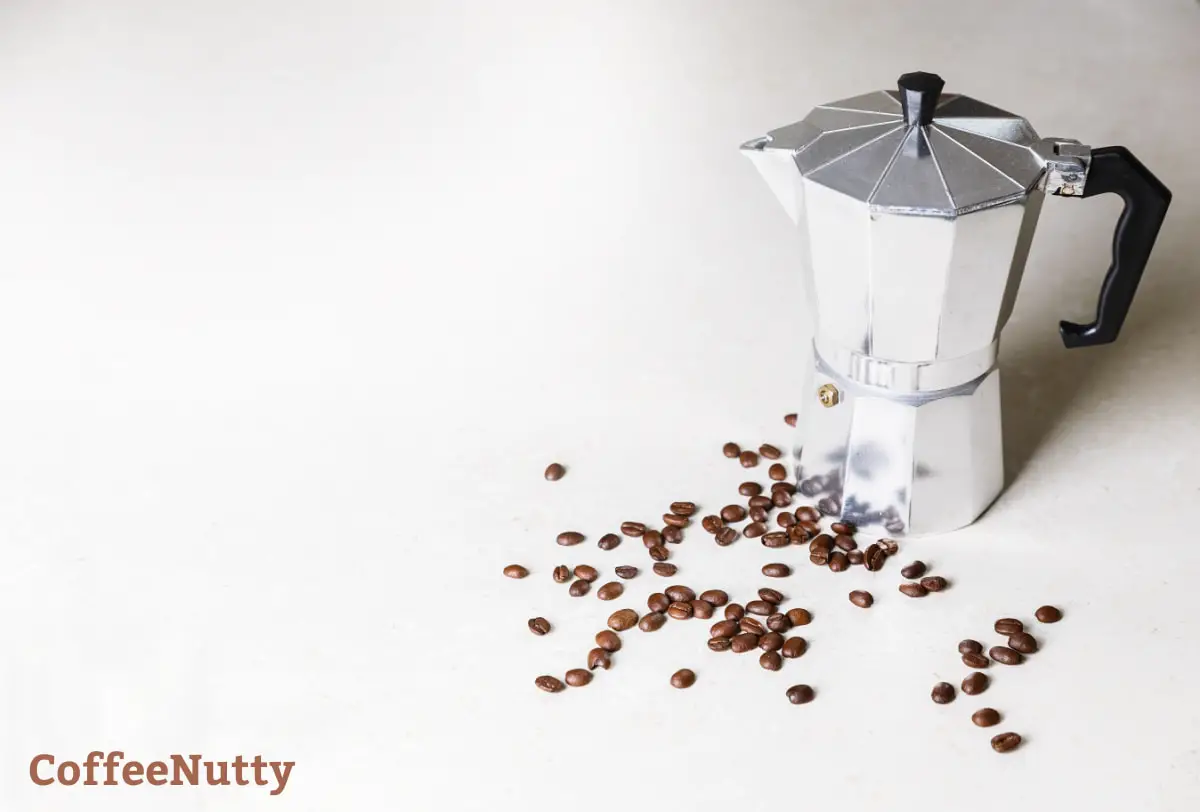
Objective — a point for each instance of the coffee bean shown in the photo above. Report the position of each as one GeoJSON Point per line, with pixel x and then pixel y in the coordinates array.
{"type": "Point", "coordinates": [1023, 642]}
{"type": "Point", "coordinates": [855, 557]}
{"type": "Point", "coordinates": [578, 677]}
{"type": "Point", "coordinates": [799, 617]}
{"type": "Point", "coordinates": [771, 661]}
{"type": "Point", "coordinates": [549, 684]}
{"type": "Point", "coordinates": [608, 640]}
{"type": "Point", "coordinates": [776, 570]}
{"type": "Point", "coordinates": [717, 597]}
{"type": "Point", "coordinates": [807, 514]}
{"type": "Point", "coordinates": [750, 489]}
{"type": "Point", "coordinates": [838, 562]}
{"type": "Point", "coordinates": [561, 574]}
{"type": "Point", "coordinates": [723, 628]}
{"type": "Point", "coordinates": [1006, 656]}
{"type": "Point", "coordinates": [585, 573]}
{"type": "Point", "coordinates": [673, 520]}
{"type": "Point", "coordinates": [777, 472]}
{"type": "Point", "coordinates": [913, 590]}
{"type": "Point", "coordinates": [986, 717]}
{"type": "Point", "coordinates": [679, 610]}
{"type": "Point", "coordinates": [970, 647]}
{"type": "Point", "coordinates": [794, 647]}
{"type": "Point", "coordinates": [1005, 742]}
{"type": "Point", "coordinates": [652, 622]}
{"type": "Point", "coordinates": [683, 508]}
{"type": "Point", "coordinates": [659, 553]}
{"type": "Point", "coordinates": [775, 540]}
{"type": "Point", "coordinates": [934, 583]}
{"type": "Point", "coordinates": [800, 694]}
{"type": "Point", "coordinates": [712, 523]}
{"type": "Point", "coordinates": [753, 531]}
{"type": "Point", "coordinates": [626, 572]}
{"type": "Point", "coordinates": [778, 622]}
{"type": "Point", "coordinates": [598, 658]}
{"type": "Point", "coordinates": [820, 558]}
{"type": "Point", "coordinates": [843, 528]}
{"type": "Point", "coordinates": [914, 570]}
{"type": "Point", "coordinates": [874, 557]}
{"type": "Point", "coordinates": [652, 538]}
{"type": "Point", "coordinates": [797, 534]}
{"type": "Point", "coordinates": [844, 542]}
{"type": "Point", "coordinates": [1048, 614]}
{"type": "Point", "coordinates": [975, 683]}
{"type": "Point", "coordinates": [888, 546]}
{"type": "Point", "coordinates": [973, 660]}
{"type": "Point", "coordinates": [678, 592]}
{"type": "Point", "coordinates": [672, 534]}
{"type": "Point", "coordinates": [569, 538]}
{"type": "Point", "coordinates": [942, 693]}
{"type": "Point", "coordinates": [1008, 626]}
{"type": "Point", "coordinates": [751, 626]}
{"type": "Point", "coordinates": [818, 550]}
{"type": "Point", "coordinates": [823, 541]}
{"type": "Point", "coordinates": [785, 520]}
{"type": "Point", "coordinates": [657, 602]}
{"type": "Point", "coordinates": [770, 595]}
{"type": "Point", "coordinates": [743, 642]}
{"type": "Point", "coordinates": [622, 619]}
{"type": "Point", "coordinates": [727, 536]}
{"type": "Point", "coordinates": [610, 591]}
{"type": "Point", "coordinates": [735, 611]}
{"type": "Point", "coordinates": [515, 571]}
{"type": "Point", "coordinates": [609, 541]}
{"type": "Point", "coordinates": [763, 502]}
{"type": "Point", "coordinates": [763, 608]}
{"type": "Point", "coordinates": [554, 472]}
{"type": "Point", "coordinates": [731, 450]}
{"type": "Point", "coordinates": [772, 641]}
{"type": "Point", "coordinates": [748, 459]}
{"type": "Point", "coordinates": [811, 529]}
{"type": "Point", "coordinates": [785, 487]}
{"type": "Point", "coordinates": [579, 589]}
{"type": "Point", "coordinates": [539, 626]}
{"type": "Point", "coordinates": [733, 513]}
{"type": "Point", "coordinates": [790, 419]}
{"type": "Point", "coordinates": [664, 569]}
{"type": "Point", "coordinates": [759, 515]}
{"type": "Point", "coordinates": [719, 644]}
{"type": "Point", "coordinates": [769, 451]}
{"type": "Point", "coordinates": [683, 678]}
{"type": "Point", "coordinates": [861, 598]}
{"type": "Point", "coordinates": [829, 506]}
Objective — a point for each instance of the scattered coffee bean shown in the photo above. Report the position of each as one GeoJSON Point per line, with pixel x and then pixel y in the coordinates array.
{"type": "Point", "coordinates": [970, 647]}
{"type": "Point", "coordinates": [776, 570]}
{"type": "Point", "coordinates": [750, 489]}
{"type": "Point", "coordinates": [790, 419]}
{"type": "Point", "coordinates": [683, 508]}
{"type": "Point", "coordinates": [539, 626]}
{"type": "Point", "coordinates": [549, 684]}
{"type": "Point", "coordinates": [797, 534]}
{"type": "Point", "coordinates": [609, 541]}
{"type": "Point", "coordinates": [942, 693]}
{"type": "Point", "coordinates": [838, 562]}
{"type": "Point", "coordinates": [753, 531]}
{"type": "Point", "coordinates": [775, 540]}
{"type": "Point", "coordinates": [769, 451]}
{"type": "Point", "coordinates": [652, 622]}
{"type": "Point", "coordinates": [1008, 626]}
{"type": "Point", "coordinates": [763, 502]}
{"type": "Point", "coordinates": [608, 640]}
{"type": "Point", "coordinates": [874, 557]}
{"type": "Point", "coordinates": [672, 534]}
{"type": "Point", "coordinates": [888, 546]}
{"type": "Point", "coordinates": [712, 523]}
{"type": "Point", "coordinates": [731, 450]}
{"type": "Point", "coordinates": [975, 683]}
{"type": "Point", "coordinates": [733, 513]}
{"type": "Point", "coordinates": [799, 617]}
{"type": "Point", "coordinates": [679, 610]}
{"type": "Point", "coordinates": [561, 574]}
{"type": "Point", "coordinates": [771, 660]}
{"type": "Point", "coordinates": [579, 588]}
{"type": "Point", "coordinates": [724, 628]}
{"type": "Point", "coordinates": [781, 498]}
{"type": "Point", "coordinates": [748, 459]}
{"type": "Point", "coordinates": [844, 542]}
{"type": "Point", "coordinates": [598, 658]}
{"type": "Point", "coordinates": [914, 570]}
{"type": "Point", "coordinates": [659, 553]}
{"type": "Point", "coordinates": [914, 590]}
{"type": "Point", "coordinates": [770, 595]}
{"type": "Point", "coordinates": [785, 520]}
{"type": "Point", "coordinates": [515, 571]}
{"type": "Point", "coordinates": [1023, 642]}
{"type": "Point", "coordinates": [1005, 742]}
{"type": "Point", "coordinates": [843, 528]}
{"type": "Point", "coordinates": [674, 520]}
{"type": "Point", "coordinates": [741, 643]}
{"type": "Point", "coordinates": [794, 647]}
{"type": "Point", "coordinates": [771, 641]}
{"type": "Point", "coordinates": [735, 611]}
{"type": "Point", "coordinates": [652, 538]}
{"type": "Point", "coordinates": [1048, 614]}
{"type": "Point", "coordinates": [759, 515]}
{"type": "Point", "coordinates": [578, 677]}
{"type": "Point", "coordinates": [818, 550]}
{"type": "Point", "coordinates": [752, 626]}
{"type": "Point", "coordinates": [934, 583]}
{"type": "Point", "coordinates": [554, 472]}
{"type": "Point", "coordinates": [1006, 656]}
{"type": "Point", "coordinates": [807, 514]}
{"type": "Point", "coordinates": [973, 660]}
{"type": "Point", "coordinates": [727, 536]}
{"type": "Point", "coordinates": [800, 694]}
{"type": "Point", "coordinates": [763, 608]}
{"type": "Point", "coordinates": [683, 678]}
{"type": "Point", "coordinates": [610, 591]}
{"type": "Point", "coordinates": [986, 717]}
{"type": "Point", "coordinates": [626, 572]}
{"type": "Point", "coordinates": [569, 538]}
{"type": "Point", "coordinates": [585, 573]}
{"type": "Point", "coordinates": [861, 598]}
{"type": "Point", "coordinates": [664, 569]}
{"type": "Point", "coordinates": [622, 619]}
{"type": "Point", "coordinates": [777, 472]}
{"type": "Point", "coordinates": [717, 597]}
{"type": "Point", "coordinates": [719, 643]}
{"type": "Point", "coordinates": [784, 486]}
{"type": "Point", "coordinates": [678, 592]}
{"type": "Point", "coordinates": [778, 622]}
{"type": "Point", "coordinates": [657, 602]}
{"type": "Point", "coordinates": [855, 557]}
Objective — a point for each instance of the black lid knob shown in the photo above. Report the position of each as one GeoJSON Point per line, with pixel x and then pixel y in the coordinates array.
{"type": "Point", "coordinates": [919, 94]}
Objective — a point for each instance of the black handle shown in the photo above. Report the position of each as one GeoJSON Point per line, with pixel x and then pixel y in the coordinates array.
{"type": "Point", "coordinates": [1114, 169]}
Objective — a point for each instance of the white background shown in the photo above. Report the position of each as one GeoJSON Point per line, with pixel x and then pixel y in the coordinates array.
{"type": "Point", "coordinates": [297, 299]}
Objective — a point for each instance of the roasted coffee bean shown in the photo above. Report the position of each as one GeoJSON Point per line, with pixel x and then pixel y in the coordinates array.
{"type": "Point", "coordinates": [652, 622]}
{"type": "Point", "coordinates": [549, 684]}
{"type": "Point", "coordinates": [622, 619]}
{"type": "Point", "coordinates": [609, 541]}
{"type": "Point", "coordinates": [771, 660]}
{"type": "Point", "coordinates": [759, 515]}
{"type": "Point", "coordinates": [769, 451]}
{"type": "Point", "coordinates": [785, 486]}
{"type": "Point", "coordinates": [748, 459]}
{"type": "Point", "coordinates": [717, 597]}
{"type": "Point", "coordinates": [812, 529]}
{"type": "Point", "coordinates": [843, 528]}
{"type": "Point", "coordinates": [1006, 656]}
{"type": "Point", "coordinates": [735, 611]}
{"type": "Point", "coordinates": [799, 617]}
{"type": "Point", "coordinates": [561, 574]}
{"type": "Point", "coordinates": [861, 598]}
{"type": "Point", "coordinates": [585, 573]}
{"type": "Point", "coordinates": [763, 502]}
{"type": "Point", "coordinates": [776, 570]}
{"type": "Point", "coordinates": [855, 557]}
{"type": "Point", "coordinates": [679, 610]}
{"type": "Point", "coordinates": [672, 534]}
{"type": "Point", "coordinates": [678, 592]}
{"type": "Point", "coordinates": [763, 608]}
{"type": "Point", "coordinates": [743, 642]}
{"type": "Point", "coordinates": [712, 523]}
{"type": "Point", "coordinates": [820, 556]}
{"type": "Point", "coordinates": [838, 561]}
{"type": "Point", "coordinates": [790, 419]}
{"type": "Point", "coordinates": [970, 647]}
{"type": "Point", "coordinates": [539, 626]}
{"type": "Point", "coordinates": [610, 591]}
{"type": "Point", "coordinates": [598, 658]}
{"type": "Point", "coordinates": [515, 571]}
{"type": "Point", "coordinates": [807, 514]}
{"type": "Point", "coordinates": [914, 590]}
{"type": "Point", "coordinates": [657, 602]}
{"type": "Point", "coordinates": [673, 520]}
{"type": "Point", "coordinates": [874, 557]}
{"type": "Point", "coordinates": [1048, 614]}
{"type": "Point", "coordinates": [579, 588]}
{"type": "Point", "coordinates": [554, 472]}
{"type": "Point", "coordinates": [775, 540]}
{"type": "Point", "coordinates": [785, 520]}
{"type": "Point", "coordinates": [770, 595]}
{"type": "Point", "coordinates": [942, 693]}
{"type": "Point", "coordinates": [683, 678]}
{"type": "Point", "coordinates": [1008, 626]}
{"type": "Point", "coordinates": [975, 683]}
{"type": "Point", "coordinates": [626, 572]}
{"type": "Point", "coordinates": [664, 569]}
{"type": "Point", "coordinates": [973, 660]}
{"type": "Point", "coordinates": [797, 534]}
{"type": "Point", "coordinates": [659, 553]}
{"type": "Point", "coordinates": [753, 531]}
{"type": "Point", "coordinates": [934, 583]}
{"type": "Point", "coordinates": [733, 513]}
{"type": "Point", "coordinates": [771, 641]}
{"type": "Point", "coordinates": [609, 640]}
{"type": "Point", "coordinates": [823, 541]}
{"type": "Point", "coordinates": [986, 717]}
{"type": "Point", "coordinates": [727, 536]}
{"type": "Point", "coordinates": [1005, 742]}
{"type": "Point", "coordinates": [569, 538]}
{"type": "Point", "coordinates": [914, 570]}
{"type": "Point", "coordinates": [752, 626]}
{"type": "Point", "coordinates": [724, 628]}
{"type": "Point", "coordinates": [800, 694]}
{"type": "Point", "coordinates": [731, 450]}
{"type": "Point", "coordinates": [888, 546]}
{"type": "Point", "coordinates": [794, 647]}
{"type": "Point", "coordinates": [750, 489]}
{"type": "Point", "coordinates": [1023, 642]}
{"type": "Point", "coordinates": [719, 643]}
{"type": "Point", "coordinates": [777, 472]}
{"type": "Point", "coordinates": [578, 677]}
{"type": "Point", "coordinates": [652, 538]}
{"type": "Point", "coordinates": [844, 542]}
{"type": "Point", "coordinates": [778, 622]}
{"type": "Point", "coordinates": [683, 508]}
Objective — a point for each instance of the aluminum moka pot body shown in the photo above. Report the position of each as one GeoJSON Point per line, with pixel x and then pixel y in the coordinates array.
{"type": "Point", "coordinates": [917, 210]}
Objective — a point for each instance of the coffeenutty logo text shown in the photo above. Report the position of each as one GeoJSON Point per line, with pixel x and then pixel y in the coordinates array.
{"type": "Point", "coordinates": [113, 769]}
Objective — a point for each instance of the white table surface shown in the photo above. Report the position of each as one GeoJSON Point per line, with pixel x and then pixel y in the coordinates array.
{"type": "Point", "coordinates": [299, 298]}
